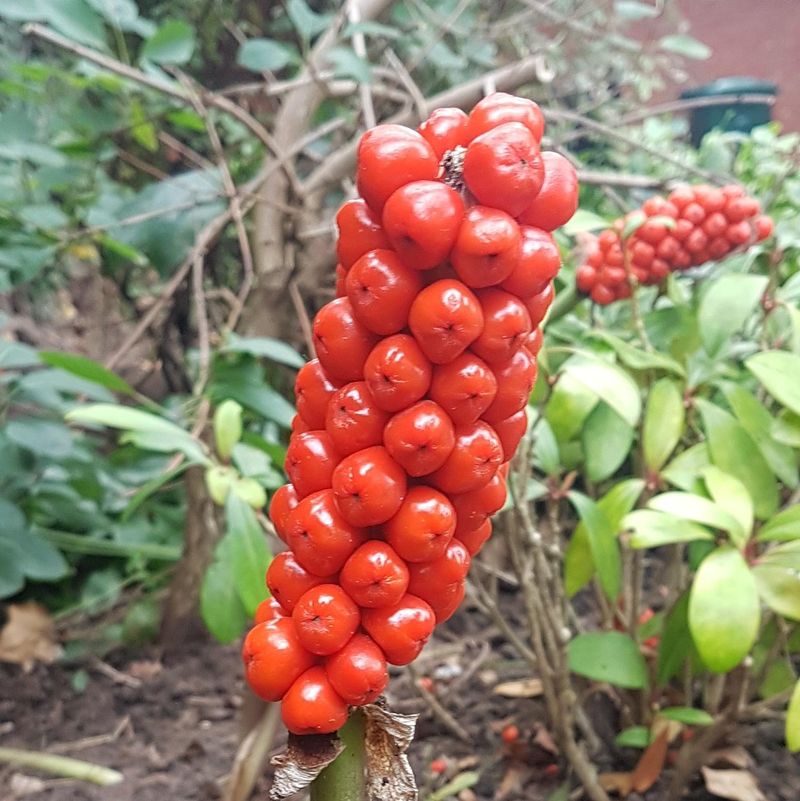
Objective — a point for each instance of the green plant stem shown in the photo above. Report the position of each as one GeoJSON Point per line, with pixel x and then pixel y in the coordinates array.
{"type": "Point", "coordinates": [64, 767]}
{"type": "Point", "coordinates": [343, 779]}
{"type": "Point", "coordinates": [565, 302]}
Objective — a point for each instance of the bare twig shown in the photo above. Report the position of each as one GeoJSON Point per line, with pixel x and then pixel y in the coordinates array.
{"type": "Point", "coordinates": [141, 165]}
{"type": "Point", "coordinates": [360, 49]}
{"type": "Point", "coordinates": [417, 98]}
{"type": "Point", "coordinates": [693, 103]}
{"type": "Point", "coordinates": [302, 315]}
{"type": "Point", "coordinates": [438, 711]}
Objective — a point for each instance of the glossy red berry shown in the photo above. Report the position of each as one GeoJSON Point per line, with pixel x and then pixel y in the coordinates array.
{"type": "Point", "coordinates": [488, 247]}
{"type": "Point", "coordinates": [354, 420]}
{"type": "Point", "coordinates": [423, 526]}
{"type": "Point", "coordinates": [283, 500]}
{"type": "Point", "coordinates": [310, 460]}
{"type": "Point", "coordinates": [325, 618]}
{"type": "Point", "coordinates": [515, 380]}
{"type": "Point", "coordinates": [445, 129]}
{"type": "Point", "coordinates": [360, 231]}
{"type": "Point", "coordinates": [312, 391]}
{"type": "Point", "coordinates": [476, 538]}
{"type": "Point", "coordinates": [375, 575]}
{"type": "Point", "coordinates": [557, 200]}
{"type": "Point", "coordinates": [397, 372]}
{"type": "Point", "coordinates": [474, 460]}
{"type": "Point", "coordinates": [538, 264]}
{"type": "Point", "coordinates": [506, 325]}
{"type": "Point", "coordinates": [401, 630]}
{"type": "Point", "coordinates": [312, 706]}
{"type": "Point", "coordinates": [420, 438]}
{"type": "Point", "coordinates": [358, 671]}
{"type": "Point", "coordinates": [288, 581]}
{"type": "Point", "coordinates": [464, 387]}
{"type": "Point", "coordinates": [500, 107]}
{"type": "Point", "coordinates": [342, 343]}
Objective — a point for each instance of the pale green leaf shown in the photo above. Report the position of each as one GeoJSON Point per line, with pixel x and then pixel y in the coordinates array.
{"type": "Point", "coordinates": [608, 656]}
{"type": "Point", "coordinates": [633, 737]}
{"type": "Point", "coordinates": [248, 552]}
{"type": "Point", "coordinates": [687, 715]}
{"type": "Point", "coordinates": [264, 347]}
{"type": "Point", "coordinates": [264, 55]}
{"type": "Point", "coordinates": [606, 440]}
{"type": "Point", "coordinates": [685, 469]}
{"type": "Point", "coordinates": [701, 510]}
{"type": "Point", "coordinates": [730, 494]}
{"type": "Point", "coordinates": [84, 367]}
{"type": "Point", "coordinates": [779, 588]}
{"type": "Point", "coordinates": [663, 423]}
{"type": "Point", "coordinates": [584, 220]}
{"type": "Point", "coordinates": [172, 43]}
{"type": "Point", "coordinates": [610, 384]}
{"type": "Point", "coordinates": [725, 306]}
{"type": "Point", "coordinates": [637, 358]}
{"type": "Point", "coordinates": [793, 721]}
{"type": "Point", "coordinates": [651, 529]}
{"type": "Point", "coordinates": [602, 538]}
{"type": "Point", "coordinates": [685, 45]}
{"type": "Point", "coordinates": [778, 371]}
{"type": "Point", "coordinates": [783, 527]}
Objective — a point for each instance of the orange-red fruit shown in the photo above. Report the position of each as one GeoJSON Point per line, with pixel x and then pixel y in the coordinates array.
{"type": "Point", "coordinates": [288, 581]}
{"type": "Point", "coordinates": [464, 387]}
{"type": "Point", "coordinates": [397, 372]}
{"type": "Point", "coordinates": [420, 438]}
{"type": "Point", "coordinates": [515, 380]}
{"type": "Point", "coordinates": [488, 247]}
{"type": "Point", "coordinates": [312, 391]}
{"type": "Point", "coordinates": [358, 671]}
{"type": "Point", "coordinates": [359, 231]}
{"type": "Point", "coordinates": [763, 227]}
{"type": "Point", "coordinates": [283, 500]}
{"type": "Point", "coordinates": [510, 734]}
{"type": "Point", "coordinates": [369, 486]}
{"type": "Point", "coordinates": [274, 658]}
{"type": "Point", "coordinates": [474, 460]}
{"type": "Point", "coordinates": [474, 508]}
{"type": "Point", "coordinates": [428, 579]}
{"type": "Point", "coordinates": [557, 200]}
{"type": "Point", "coordinates": [506, 325]}
{"type": "Point", "coordinates": [445, 318]}
{"type": "Point", "coordinates": [503, 168]}
{"type": "Point", "coordinates": [325, 618]}
{"type": "Point", "coordinates": [312, 706]}
{"type": "Point", "coordinates": [319, 535]}
{"type": "Point", "coordinates": [538, 264]}
{"type": "Point", "coordinates": [354, 421]}
{"type": "Point", "coordinates": [537, 305]}
{"type": "Point", "coordinates": [447, 600]}
{"type": "Point", "coordinates": [341, 342]}
{"type": "Point", "coordinates": [310, 460]}
{"type": "Point", "coordinates": [401, 630]}
{"type": "Point", "coordinates": [390, 156]}
{"type": "Point", "coordinates": [475, 539]}
{"type": "Point", "coordinates": [268, 610]}
{"type": "Point", "coordinates": [422, 220]}
{"type": "Point", "coordinates": [500, 107]}
{"type": "Point", "coordinates": [445, 129]}
{"type": "Point", "coordinates": [340, 290]}
{"type": "Point", "coordinates": [510, 431]}
{"type": "Point", "coordinates": [375, 575]}
{"type": "Point", "coordinates": [381, 289]}
{"type": "Point", "coordinates": [423, 526]}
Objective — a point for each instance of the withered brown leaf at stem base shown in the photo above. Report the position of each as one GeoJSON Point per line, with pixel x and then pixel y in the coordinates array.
{"type": "Point", "coordinates": [303, 760]}
{"type": "Point", "coordinates": [522, 688]}
{"type": "Point", "coordinates": [651, 763]}
{"type": "Point", "coordinates": [735, 785]}
{"type": "Point", "coordinates": [388, 736]}
{"type": "Point", "coordinates": [620, 784]}
{"type": "Point", "coordinates": [29, 636]}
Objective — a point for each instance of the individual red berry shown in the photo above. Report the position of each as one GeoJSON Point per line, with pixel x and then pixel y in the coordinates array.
{"type": "Point", "coordinates": [659, 270]}
{"type": "Point", "coordinates": [464, 387]}
{"type": "Point", "coordinates": [445, 319]}
{"type": "Point", "coordinates": [538, 263]}
{"type": "Point", "coordinates": [681, 196]}
{"type": "Point", "coordinates": [732, 191]}
{"type": "Point", "coordinates": [445, 129]}
{"type": "Point", "coordinates": [763, 226]}
{"type": "Point", "coordinates": [447, 601]}
{"type": "Point", "coordinates": [474, 460]}
{"type": "Point", "coordinates": [420, 438]}
{"type": "Point", "coordinates": [358, 671]}
{"type": "Point", "coordinates": [642, 253]}
{"type": "Point", "coordinates": [341, 342]}
{"type": "Point", "coordinates": [696, 241]}
{"type": "Point", "coordinates": [325, 618]}
{"type": "Point", "coordinates": [503, 168]}
{"type": "Point", "coordinates": [312, 391]}
{"type": "Point", "coordinates": [268, 610]}
{"type": "Point", "coordinates": [429, 578]}
{"type": "Point", "coordinates": [537, 305]}
{"type": "Point", "coordinates": [438, 766]}
{"type": "Point", "coordinates": [340, 289]}
{"type": "Point", "coordinates": [515, 380]}
{"type": "Point", "coordinates": [667, 248]}
{"type": "Point", "coordinates": [740, 208]}
{"type": "Point", "coordinates": [738, 233]}
{"type": "Point", "coordinates": [682, 259]}
{"type": "Point", "coordinates": [694, 213]}
{"type": "Point", "coordinates": [423, 526]}
{"type": "Point", "coordinates": [375, 575]}
{"type": "Point", "coordinates": [475, 539]}
{"type": "Point", "coordinates": [586, 278]}
{"type": "Point", "coordinates": [288, 581]}
{"type": "Point", "coordinates": [510, 431]}
{"type": "Point", "coordinates": [360, 231]}
{"type": "Point", "coordinates": [509, 734]}
{"type": "Point", "coordinates": [488, 247]}
{"type": "Point", "coordinates": [274, 658]}
{"type": "Point", "coordinates": [607, 240]}
{"type": "Point", "coordinates": [651, 231]}
{"type": "Point", "coordinates": [654, 206]}
{"type": "Point", "coordinates": [319, 535]}
{"type": "Point", "coordinates": [381, 290]}
{"type": "Point", "coordinates": [557, 200]}
{"type": "Point", "coordinates": [402, 630]}
{"type": "Point", "coordinates": [283, 500]}
{"type": "Point", "coordinates": [710, 198]}
{"type": "Point", "coordinates": [390, 156]}
{"type": "Point", "coordinates": [535, 341]}
{"type": "Point", "coordinates": [500, 107]}
{"type": "Point", "coordinates": [354, 420]}
{"type": "Point", "coordinates": [397, 372]}
{"type": "Point", "coordinates": [682, 230]}
{"type": "Point", "coordinates": [602, 295]}
{"type": "Point", "coordinates": [506, 325]}
{"type": "Point", "coordinates": [715, 224]}
{"type": "Point", "coordinates": [299, 426]}
{"type": "Point", "coordinates": [719, 247]}
{"type": "Point", "coordinates": [312, 706]}
{"type": "Point", "coordinates": [369, 486]}
{"type": "Point", "coordinates": [474, 508]}
{"type": "Point", "coordinates": [422, 220]}
{"type": "Point", "coordinates": [310, 460]}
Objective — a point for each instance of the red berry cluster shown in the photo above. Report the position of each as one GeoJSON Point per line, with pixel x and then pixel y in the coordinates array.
{"type": "Point", "coordinates": [407, 418]}
{"type": "Point", "coordinates": [691, 226]}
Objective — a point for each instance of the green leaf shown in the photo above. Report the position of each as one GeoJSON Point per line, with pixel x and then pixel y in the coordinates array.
{"type": "Point", "coordinates": [172, 43]}
{"type": "Point", "coordinates": [14, 355]}
{"type": "Point", "coordinates": [686, 46]}
{"type": "Point", "coordinates": [732, 449]}
{"type": "Point", "coordinates": [371, 28]}
{"type": "Point", "coordinates": [264, 55]}
{"type": "Point", "coordinates": [607, 440]}
{"type": "Point", "coordinates": [346, 64]}
{"type": "Point", "coordinates": [633, 223]}
{"type": "Point", "coordinates": [307, 22]}
{"type": "Point", "coordinates": [11, 577]}
{"type": "Point", "coordinates": [84, 367]}
{"type": "Point", "coordinates": [778, 370]}
{"type": "Point", "coordinates": [122, 14]}
{"type": "Point", "coordinates": [786, 429]}
{"type": "Point", "coordinates": [42, 437]}
{"type": "Point", "coordinates": [248, 552]}
{"type": "Point", "coordinates": [687, 715]}
{"type": "Point", "coordinates": [608, 656]}
{"type": "Point", "coordinates": [689, 506]}
{"type": "Point", "coordinates": [783, 527]}
{"type": "Point", "coordinates": [142, 130]}
{"type": "Point", "coordinates": [685, 469]}
{"type": "Point", "coordinates": [545, 449]}
{"type": "Point", "coordinates": [779, 588]}
{"type": "Point", "coordinates": [663, 423]}
{"type": "Point", "coordinates": [760, 425]}
{"type": "Point", "coordinates": [652, 529]}
{"type": "Point", "coordinates": [724, 610]}
{"type": "Point", "coordinates": [463, 781]}
{"type": "Point", "coordinates": [610, 384]}
{"type": "Point", "coordinates": [676, 641]}
{"type": "Point", "coordinates": [730, 494]}
{"type": "Point", "coordinates": [725, 306]}
{"type": "Point", "coordinates": [630, 9]}
{"type": "Point", "coordinates": [568, 406]}
{"type": "Point", "coordinates": [636, 358]}
{"type": "Point", "coordinates": [602, 538]}
{"type": "Point", "coordinates": [75, 19]}
{"type": "Point", "coordinates": [633, 737]}
{"type": "Point", "coordinates": [220, 605]}
{"type": "Point", "coordinates": [584, 220]}
{"type": "Point", "coordinates": [265, 347]}
{"type": "Point", "coordinates": [152, 486]}
{"type": "Point", "coordinates": [793, 721]}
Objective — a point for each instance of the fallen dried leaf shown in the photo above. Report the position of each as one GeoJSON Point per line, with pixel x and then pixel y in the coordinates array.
{"type": "Point", "coordinates": [388, 735]}
{"type": "Point", "coordinates": [618, 783]}
{"type": "Point", "coordinates": [735, 785]}
{"type": "Point", "coordinates": [650, 764]}
{"type": "Point", "coordinates": [511, 783]}
{"type": "Point", "coordinates": [21, 785]}
{"type": "Point", "coordinates": [734, 756]}
{"type": "Point", "coordinates": [145, 669]}
{"type": "Point", "coordinates": [29, 636]}
{"type": "Point", "coordinates": [545, 740]}
{"type": "Point", "coordinates": [525, 688]}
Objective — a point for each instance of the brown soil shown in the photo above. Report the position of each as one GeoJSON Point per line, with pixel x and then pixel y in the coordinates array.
{"type": "Point", "coordinates": [182, 724]}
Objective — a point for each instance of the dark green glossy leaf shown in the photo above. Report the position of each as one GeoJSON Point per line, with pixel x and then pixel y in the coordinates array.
{"type": "Point", "coordinates": [663, 423]}
{"type": "Point", "coordinates": [220, 603]}
{"type": "Point", "coordinates": [247, 551]}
